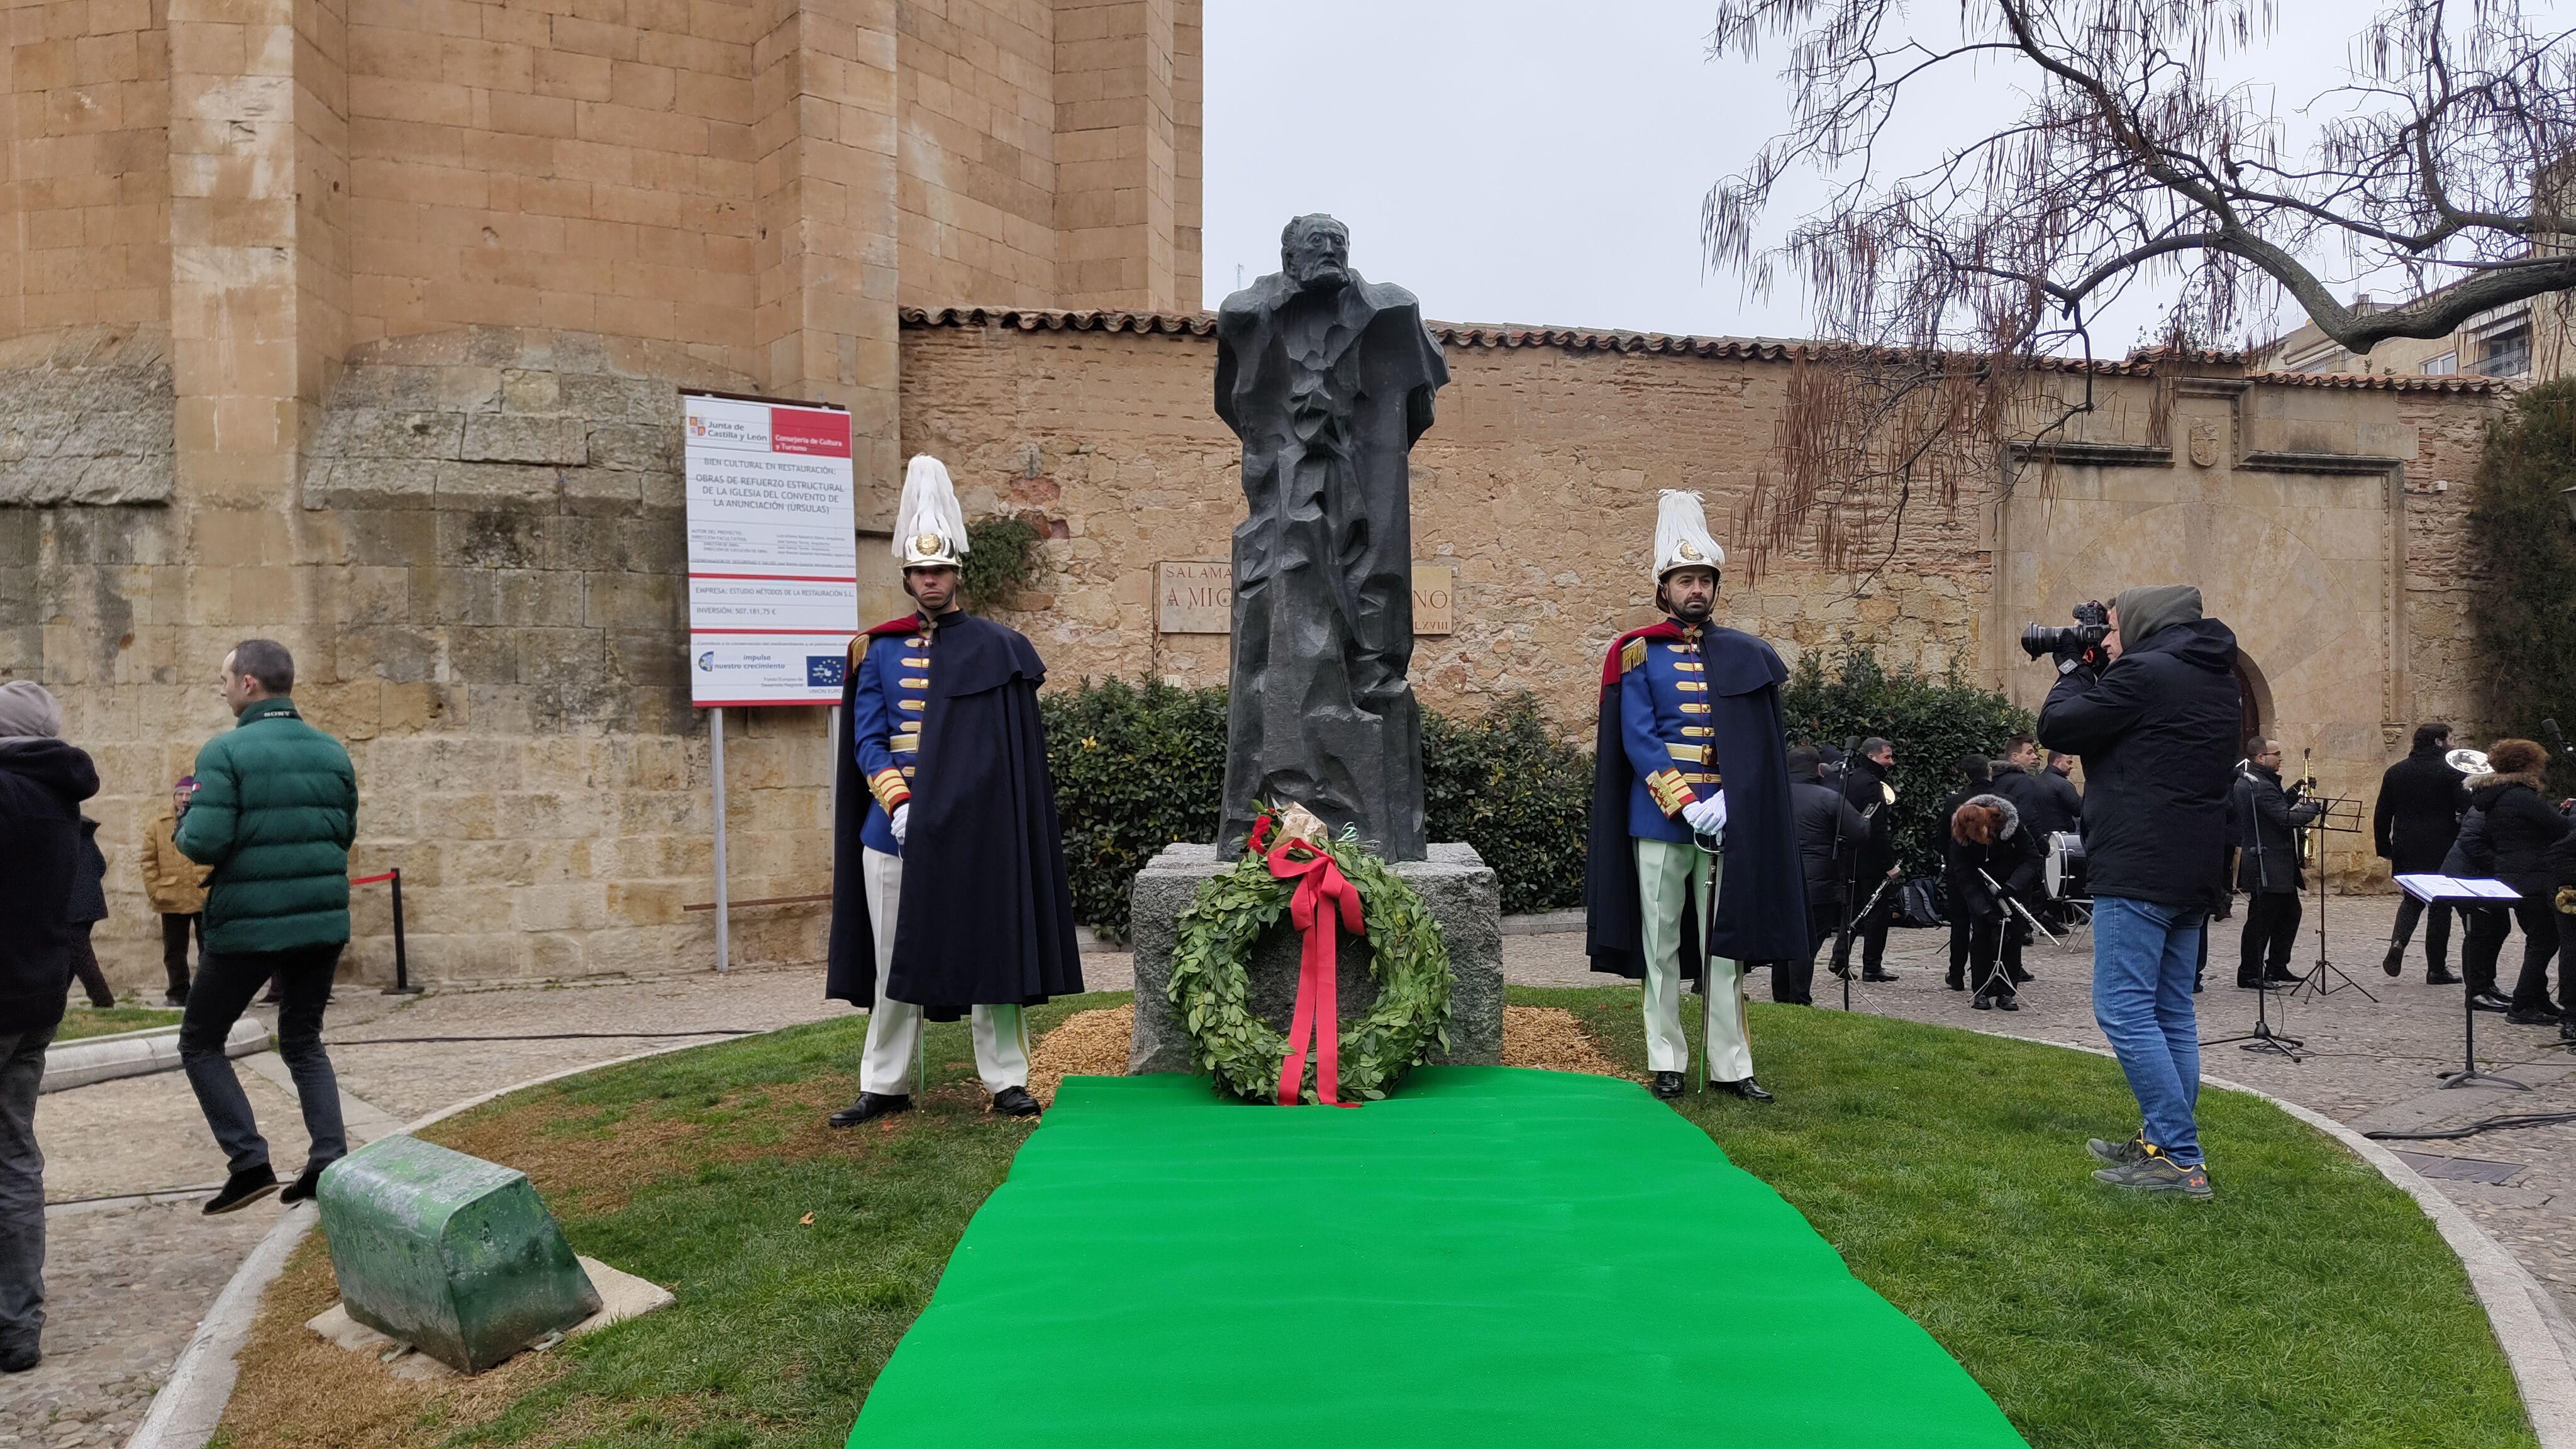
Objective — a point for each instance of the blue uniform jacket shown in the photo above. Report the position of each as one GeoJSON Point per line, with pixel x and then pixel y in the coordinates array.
{"type": "Point", "coordinates": [886, 708]}
{"type": "Point", "coordinates": [1665, 731]}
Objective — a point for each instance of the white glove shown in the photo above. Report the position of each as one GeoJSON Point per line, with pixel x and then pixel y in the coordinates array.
{"type": "Point", "coordinates": [1706, 817]}
{"type": "Point", "coordinates": [902, 813]}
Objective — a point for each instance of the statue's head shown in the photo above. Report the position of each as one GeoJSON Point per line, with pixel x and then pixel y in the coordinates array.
{"type": "Point", "coordinates": [1315, 252]}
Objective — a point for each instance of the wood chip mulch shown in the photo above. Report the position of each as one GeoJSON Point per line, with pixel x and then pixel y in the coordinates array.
{"type": "Point", "coordinates": [1094, 1044]}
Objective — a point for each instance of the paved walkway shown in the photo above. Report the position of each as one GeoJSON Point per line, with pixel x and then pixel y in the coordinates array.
{"type": "Point", "coordinates": [128, 1278]}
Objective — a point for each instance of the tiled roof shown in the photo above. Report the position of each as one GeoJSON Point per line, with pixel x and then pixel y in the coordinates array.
{"type": "Point", "coordinates": [1571, 339]}
{"type": "Point", "coordinates": [2386, 382]}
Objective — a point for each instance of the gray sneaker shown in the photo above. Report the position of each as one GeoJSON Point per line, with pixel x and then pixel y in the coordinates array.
{"type": "Point", "coordinates": [2159, 1173]}
{"type": "Point", "coordinates": [2118, 1154]}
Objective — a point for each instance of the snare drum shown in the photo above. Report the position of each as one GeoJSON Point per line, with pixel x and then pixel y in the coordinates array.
{"type": "Point", "coordinates": [2065, 869]}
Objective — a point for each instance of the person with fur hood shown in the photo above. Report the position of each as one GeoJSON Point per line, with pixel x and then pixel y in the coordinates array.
{"type": "Point", "coordinates": [1992, 861]}
{"type": "Point", "coordinates": [2521, 827]}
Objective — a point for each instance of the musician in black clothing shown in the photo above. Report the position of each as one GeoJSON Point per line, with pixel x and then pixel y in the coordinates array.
{"type": "Point", "coordinates": [1978, 774]}
{"type": "Point", "coordinates": [2421, 799]}
{"type": "Point", "coordinates": [1865, 786]}
{"type": "Point", "coordinates": [2267, 818]}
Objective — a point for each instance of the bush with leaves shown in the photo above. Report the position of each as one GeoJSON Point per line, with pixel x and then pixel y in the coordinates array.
{"type": "Point", "coordinates": [1508, 786]}
{"type": "Point", "coordinates": [1002, 559]}
{"type": "Point", "coordinates": [1932, 720]}
{"type": "Point", "coordinates": [2521, 599]}
{"type": "Point", "coordinates": [1139, 766]}
{"type": "Point", "coordinates": [1136, 767]}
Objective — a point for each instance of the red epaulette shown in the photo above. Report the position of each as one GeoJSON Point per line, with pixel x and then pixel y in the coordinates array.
{"type": "Point", "coordinates": [1610, 670]}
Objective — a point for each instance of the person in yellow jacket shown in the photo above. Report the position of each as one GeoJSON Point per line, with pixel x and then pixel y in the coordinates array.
{"type": "Point", "coordinates": [176, 886]}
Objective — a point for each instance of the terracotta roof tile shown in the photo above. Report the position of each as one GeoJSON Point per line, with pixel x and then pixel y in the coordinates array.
{"type": "Point", "coordinates": [1573, 339]}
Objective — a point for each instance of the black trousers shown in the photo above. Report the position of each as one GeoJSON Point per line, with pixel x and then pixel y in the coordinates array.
{"type": "Point", "coordinates": [225, 985]}
{"type": "Point", "coordinates": [1959, 944]}
{"type": "Point", "coordinates": [2437, 933]}
{"type": "Point", "coordinates": [174, 948]}
{"type": "Point", "coordinates": [1794, 982]}
{"type": "Point", "coordinates": [1991, 956]}
{"type": "Point", "coordinates": [2482, 943]}
{"type": "Point", "coordinates": [85, 966]}
{"type": "Point", "coordinates": [2539, 921]}
{"type": "Point", "coordinates": [1869, 930]}
{"type": "Point", "coordinates": [2271, 929]}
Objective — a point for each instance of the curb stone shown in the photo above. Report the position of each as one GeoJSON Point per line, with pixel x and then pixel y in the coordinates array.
{"type": "Point", "coordinates": [78, 1063]}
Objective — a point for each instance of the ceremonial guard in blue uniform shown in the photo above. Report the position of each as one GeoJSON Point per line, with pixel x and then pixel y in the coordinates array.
{"type": "Point", "coordinates": [1693, 867]}
{"type": "Point", "coordinates": [959, 903]}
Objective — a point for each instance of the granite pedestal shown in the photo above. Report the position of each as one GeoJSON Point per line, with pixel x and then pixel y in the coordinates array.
{"type": "Point", "coordinates": [1457, 886]}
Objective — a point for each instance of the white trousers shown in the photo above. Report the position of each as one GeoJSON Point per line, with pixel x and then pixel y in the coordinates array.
{"type": "Point", "coordinates": [894, 1027]}
{"type": "Point", "coordinates": [1668, 874]}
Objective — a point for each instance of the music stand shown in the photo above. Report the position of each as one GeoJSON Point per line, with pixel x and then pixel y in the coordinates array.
{"type": "Point", "coordinates": [2430, 888]}
{"type": "Point", "coordinates": [2340, 815]}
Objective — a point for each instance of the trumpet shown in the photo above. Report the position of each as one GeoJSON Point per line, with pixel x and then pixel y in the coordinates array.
{"type": "Point", "coordinates": [2469, 762]}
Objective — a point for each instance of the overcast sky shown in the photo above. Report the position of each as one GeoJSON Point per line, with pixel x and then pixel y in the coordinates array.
{"type": "Point", "coordinates": [1544, 163]}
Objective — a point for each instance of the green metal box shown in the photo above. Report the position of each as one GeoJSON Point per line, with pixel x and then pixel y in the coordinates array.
{"type": "Point", "coordinates": [448, 1253]}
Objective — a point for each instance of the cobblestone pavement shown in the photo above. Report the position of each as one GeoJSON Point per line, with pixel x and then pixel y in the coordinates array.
{"type": "Point", "coordinates": [2371, 1065]}
{"type": "Point", "coordinates": [127, 1279]}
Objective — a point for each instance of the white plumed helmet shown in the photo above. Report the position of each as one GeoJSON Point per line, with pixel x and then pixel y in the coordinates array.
{"type": "Point", "coordinates": [1681, 535]}
{"type": "Point", "coordinates": [929, 528]}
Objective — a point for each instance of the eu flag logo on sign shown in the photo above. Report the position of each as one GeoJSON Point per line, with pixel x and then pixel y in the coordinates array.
{"type": "Point", "coordinates": [823, 671]}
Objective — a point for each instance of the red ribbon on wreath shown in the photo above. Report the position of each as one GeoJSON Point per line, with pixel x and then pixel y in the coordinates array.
{"type": "Point", "coordinates": [1322, 893]}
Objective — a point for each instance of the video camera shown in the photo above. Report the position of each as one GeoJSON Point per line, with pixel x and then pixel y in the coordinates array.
{"type": "Point", "coordinates": [2081, 641]}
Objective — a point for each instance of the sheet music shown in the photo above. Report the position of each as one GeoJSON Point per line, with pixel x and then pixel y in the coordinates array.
{"type": "Point", "coordinates": [2456, 888]}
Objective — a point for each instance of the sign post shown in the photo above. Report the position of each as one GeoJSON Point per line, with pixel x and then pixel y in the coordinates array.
{"type": "Point", "coordinates": [773, 568]}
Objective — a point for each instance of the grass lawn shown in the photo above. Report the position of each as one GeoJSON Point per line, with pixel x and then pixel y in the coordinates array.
{"type": "Point", "coordinates": [83, 1021]}
{"type": "Point", "coordinates": [2311, 1304]}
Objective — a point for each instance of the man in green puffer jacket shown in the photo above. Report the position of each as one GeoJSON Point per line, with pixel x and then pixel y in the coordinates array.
{"type": "Point", "coordinates": [275, 808]}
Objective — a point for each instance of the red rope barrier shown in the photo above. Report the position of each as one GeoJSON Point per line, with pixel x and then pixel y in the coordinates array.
{"type": "Point", "coordinates": [370, 879]}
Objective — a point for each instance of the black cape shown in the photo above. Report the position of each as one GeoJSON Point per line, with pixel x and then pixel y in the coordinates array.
{"type": "Point", "coordinates": [987, 912]}
{"type": "Point", "coordinates": [1762, 893]}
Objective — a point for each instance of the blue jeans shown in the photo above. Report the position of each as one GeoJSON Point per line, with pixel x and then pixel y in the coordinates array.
{"type": "Point", "coordinates": [2143, 959]}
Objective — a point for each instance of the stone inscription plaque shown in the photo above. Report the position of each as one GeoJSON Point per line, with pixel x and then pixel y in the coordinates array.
{"type": "Point", "coordinates": [1194, 597]}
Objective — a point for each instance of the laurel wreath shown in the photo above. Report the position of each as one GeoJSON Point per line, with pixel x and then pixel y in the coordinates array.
{"type": "Point", "coordinates": [1407, 958]}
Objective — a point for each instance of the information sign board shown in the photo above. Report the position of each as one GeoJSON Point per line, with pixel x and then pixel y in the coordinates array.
{"type": "Point", "coordinates": [773, 551]}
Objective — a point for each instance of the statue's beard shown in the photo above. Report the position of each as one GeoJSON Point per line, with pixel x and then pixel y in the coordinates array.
{"type": "Point", "coordinates": [1320, 276]}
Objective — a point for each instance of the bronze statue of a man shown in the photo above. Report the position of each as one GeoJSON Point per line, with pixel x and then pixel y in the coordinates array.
{"type": "Point", "coordinates": [1328, 379]}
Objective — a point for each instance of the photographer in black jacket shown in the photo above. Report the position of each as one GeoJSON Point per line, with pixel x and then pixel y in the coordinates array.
{"type": "Point", "coordinates": [2412, 826]}
{"type": "Point", "coordinates": [1824, 819]}
{"type": "Point", "coordinates": [2153, 711]}
{"type": "Point", "coordinates": [2267, 818]}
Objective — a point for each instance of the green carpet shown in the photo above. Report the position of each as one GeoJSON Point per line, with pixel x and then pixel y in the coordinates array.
{"type": "Point", "coordinates": [1491, 1257]}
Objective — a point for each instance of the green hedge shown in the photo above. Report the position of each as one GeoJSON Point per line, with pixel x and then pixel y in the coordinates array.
{"type": "Point", "coordinates": [1138, 766]}
{"type": "Point", "coordinates": [2522, 574]}
{"type": "Point", "coordinates": [1932, 720]}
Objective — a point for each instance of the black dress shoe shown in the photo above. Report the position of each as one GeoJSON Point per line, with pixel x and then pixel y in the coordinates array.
{"type": "Point", "coordinates": [1983, 1002]}
{"type": "Point", "coordinates": [19, 1354]}
{"type": "Point", "coordinates": [1840, 969]}
{"type": "Point", "coordinates": [1954, 983]}
{"type": "Point", "coordinates": [305, 1187]}
{"type": "Point", "coordinates": [2489, 1001]}
{"type": "Point", "coordinates": [1667, 1086]}
{"type": "Point", "coordinates": [1877, 975]}
{"type": "Point", "coordinates": [2533, 1016]}
{"type": "Point", "coordinates": [1749, 1089]}
{"type": "Point", "coordinates": [2007, 1002]}
{"type": "Point", "coordinates": [869, 1107]}
{"type": "Point", "coordinates": [2282, 978]}
{"type": "Point", "coordinates": [2395, 961]}
{"type": "Point", "coordinates": [242, 1189]}
{"type": "Point", "coordinates": [1015, 1102]}
{"type": "Point", "coordinates": [2438, 974]}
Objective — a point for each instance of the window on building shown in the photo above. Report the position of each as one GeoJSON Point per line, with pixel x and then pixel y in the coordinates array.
{"type": "Point", "coordinates": [2507, 352]}
{"type": "Point", "coordinates": [2444, 365]}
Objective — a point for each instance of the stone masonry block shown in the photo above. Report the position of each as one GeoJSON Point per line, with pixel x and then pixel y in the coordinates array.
{"type": "Point", "coordinates": [1464, 897]}
{"type": "Point", "coordinates": [508, 438]}
{"type": "Point", "coordinates": [448, 1253]}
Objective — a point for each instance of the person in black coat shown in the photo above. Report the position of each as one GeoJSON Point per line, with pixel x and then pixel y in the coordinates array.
{"type": "Point", "coordinates": [1825, 819]}
{"type": "Point", "coordinates": [2267, 819]}
{"type": "Point", "coordinates": [2487, 924]}
{"type": "Point", "coordinates": [42, 782]}
{"type": "Point", "coordinates": [89, 907]}
{"type": "Point", "coordinates": [1978, 772]}
{"type": "Point", "coordinates": [2153, 711]}
{"type": "Point", "coordinates": [1992, 865]}
{"type": "Point", "coordinates": [2412, 827]}
{"type": "Point", "coordinates": [2562, 869]}
{"type": "Point", "coordinates": [1866, 786]}
{"type": "Point", "coordinates": [2521, 826]}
